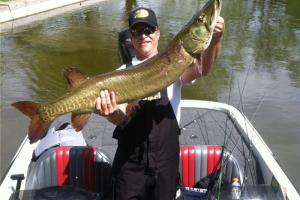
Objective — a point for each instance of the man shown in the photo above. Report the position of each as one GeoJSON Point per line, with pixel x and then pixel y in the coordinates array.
{"type": "Point", "coordinates": [146, 162]}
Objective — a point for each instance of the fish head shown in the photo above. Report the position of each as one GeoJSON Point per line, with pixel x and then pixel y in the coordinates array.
{"type": "Point", "coordinates": [196, 35]}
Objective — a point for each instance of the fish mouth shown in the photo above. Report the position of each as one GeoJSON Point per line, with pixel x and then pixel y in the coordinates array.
{"type": "Point", "coordinates": [206, 18]}
{"type": "Point", "coordinates": [212, 15]}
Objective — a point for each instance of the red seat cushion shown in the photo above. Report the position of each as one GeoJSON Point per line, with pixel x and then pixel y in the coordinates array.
{"type": "Point", "coordinates": [76, 166]}
{"type": "Point", "coordinates": [197, 162]}
{"type": "Point", "coordinates": [62, 165]}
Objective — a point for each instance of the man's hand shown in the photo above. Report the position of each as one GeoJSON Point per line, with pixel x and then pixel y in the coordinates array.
{"type": "Point", "coordinates": [219, 28]}
{"type": "Point", "coordinates": [106, 103]}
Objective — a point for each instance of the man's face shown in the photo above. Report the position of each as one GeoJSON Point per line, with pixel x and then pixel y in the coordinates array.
{"type": "Point", "coordinates": [144, 40]}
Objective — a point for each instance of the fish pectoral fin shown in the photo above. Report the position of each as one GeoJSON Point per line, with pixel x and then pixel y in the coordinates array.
{"type": "Point", "coordinates": [74, 76]}
{"type": "Point", "coordinates": [79, 120]}
{"type": "Point", "coordinates": [37, 129]}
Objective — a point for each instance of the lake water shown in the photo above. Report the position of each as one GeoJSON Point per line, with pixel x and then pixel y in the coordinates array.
{"type": "Point", "coordinates": [258, 68]}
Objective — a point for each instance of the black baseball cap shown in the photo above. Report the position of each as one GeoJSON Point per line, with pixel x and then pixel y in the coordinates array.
{"type": "Point", "coordinates": [142, 15]}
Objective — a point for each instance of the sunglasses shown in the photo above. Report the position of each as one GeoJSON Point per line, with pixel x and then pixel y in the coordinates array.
{"type": "Point", "coordinates": [137, 31]}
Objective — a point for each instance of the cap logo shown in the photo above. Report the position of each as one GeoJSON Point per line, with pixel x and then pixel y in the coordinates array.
{"type": "Point", "coordinates": [141, 13]}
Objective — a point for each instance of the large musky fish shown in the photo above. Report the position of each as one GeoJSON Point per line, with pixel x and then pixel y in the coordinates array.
{"type": "Point", "coordinates": [130, 84]}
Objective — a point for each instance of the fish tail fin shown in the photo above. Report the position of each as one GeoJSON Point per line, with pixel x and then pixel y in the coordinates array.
{"type": "Point", "coordinates": [37, 128]}
{"type": "Point", "coordinates": [28, 108]}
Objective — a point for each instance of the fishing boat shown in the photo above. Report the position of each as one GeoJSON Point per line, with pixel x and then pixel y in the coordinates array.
{"type": "Point", "coordinates": [218, 145]}
{"type": "Point", "coordinates": [222, 156]}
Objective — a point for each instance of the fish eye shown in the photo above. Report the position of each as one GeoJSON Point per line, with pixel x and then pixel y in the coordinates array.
{"type": "Point", "coordinates": [200, 19]}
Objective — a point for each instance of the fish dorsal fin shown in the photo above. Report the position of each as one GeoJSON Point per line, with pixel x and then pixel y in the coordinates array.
{"type": "Point", "coordinates": [74, 76]}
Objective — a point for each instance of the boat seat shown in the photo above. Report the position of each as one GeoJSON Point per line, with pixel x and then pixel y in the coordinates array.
{"type": "Point", "coordinates": [199, 161]}
{"type": "Point", "coordinates": [81, 166]}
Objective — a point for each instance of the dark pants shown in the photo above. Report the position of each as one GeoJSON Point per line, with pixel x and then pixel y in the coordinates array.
{"type": "Point", "coordinates": [146, 162]}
